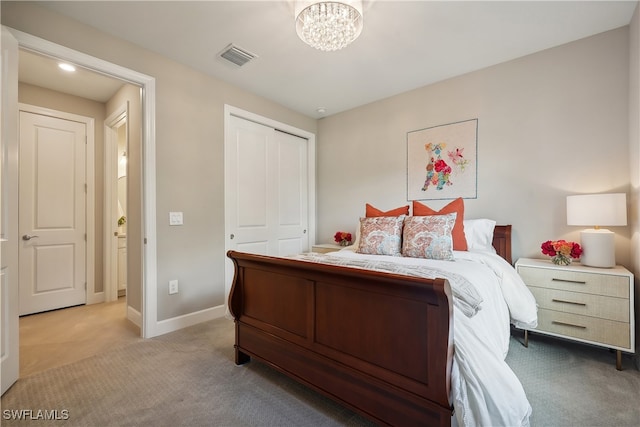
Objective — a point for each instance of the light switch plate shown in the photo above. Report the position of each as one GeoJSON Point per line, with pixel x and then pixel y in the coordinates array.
{"type": "Point", "coordinates": [175, 218]}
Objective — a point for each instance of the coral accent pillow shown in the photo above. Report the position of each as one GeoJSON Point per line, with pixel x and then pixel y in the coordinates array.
{"type": "Point", "coordinates": [429, 236]}
{"type": "Point", "coordinates": [371, 211]}
{"type": "Point", "coordinates": [457, 206]}
{"type": "Point", "coordinates": [381, 235]}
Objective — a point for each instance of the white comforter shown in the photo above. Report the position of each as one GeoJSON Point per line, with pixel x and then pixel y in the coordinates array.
{"type": "Point", "coordinates": [484, 390]}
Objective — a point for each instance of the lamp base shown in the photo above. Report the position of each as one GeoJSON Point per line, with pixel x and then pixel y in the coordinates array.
{"type": "Point", "coordinates": [598, 248]}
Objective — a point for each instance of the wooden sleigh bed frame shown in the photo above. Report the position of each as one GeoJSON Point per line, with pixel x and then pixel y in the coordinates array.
{"type": "Point", "coordinates": [381, 344]}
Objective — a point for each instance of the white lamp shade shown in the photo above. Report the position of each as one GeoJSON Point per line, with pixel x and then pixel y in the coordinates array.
{"type": "Point", "coordinates": [598, 245]}
{"type": "Point", "coordinates": [597, 209]}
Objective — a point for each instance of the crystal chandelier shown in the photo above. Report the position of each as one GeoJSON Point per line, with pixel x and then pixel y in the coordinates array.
{"type": "Point", "coordinates": [329, 25]}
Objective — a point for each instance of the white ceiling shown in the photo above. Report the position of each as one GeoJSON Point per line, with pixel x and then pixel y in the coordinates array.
{"type": "Point", "coordinates": [43, 71]}
{"type": "Point", "coordinates": [404, 44]}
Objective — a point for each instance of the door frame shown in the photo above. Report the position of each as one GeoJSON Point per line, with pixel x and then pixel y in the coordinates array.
{"type": "Point", "coordinates": [230, 111]}
{"type": "Point", "coordinates": [91, 296]}
{"type": "Point", "coordinates": [9, 290]}
{"type": "Point", "coordinates": [118, 118]}
{"type": "Point", "coordinates": [149, 323]}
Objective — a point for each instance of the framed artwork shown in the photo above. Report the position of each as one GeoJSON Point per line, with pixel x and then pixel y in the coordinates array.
{"type": "Point", "coordinates": [442, 161]}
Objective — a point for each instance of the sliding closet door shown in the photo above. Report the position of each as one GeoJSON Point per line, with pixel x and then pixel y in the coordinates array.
{"type": "Point", "coordinates": [266, 190]}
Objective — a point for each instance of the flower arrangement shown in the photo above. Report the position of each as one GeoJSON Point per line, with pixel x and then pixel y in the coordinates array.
{"type": "Point", "coordinates": [342, 238]}
{"type": "Point", "coordinates": [561, 251]}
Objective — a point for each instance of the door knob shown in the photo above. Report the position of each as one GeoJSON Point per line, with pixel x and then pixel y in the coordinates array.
{"type": "Point", "coordinates": [27, 237]}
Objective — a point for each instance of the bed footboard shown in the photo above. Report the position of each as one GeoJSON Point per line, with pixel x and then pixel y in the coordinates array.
{"type": "Point", "coordinates": [378, 343]}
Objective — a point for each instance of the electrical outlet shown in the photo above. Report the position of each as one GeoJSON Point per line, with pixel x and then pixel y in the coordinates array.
{"type": "Point", "coordinates": [173, 287]}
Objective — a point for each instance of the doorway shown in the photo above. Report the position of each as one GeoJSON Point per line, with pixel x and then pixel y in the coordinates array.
{"type": "Point", "coordinates": [142, 295]}
{"type": "Point", "coordinates": [145, 308]}
{"type": "Point", "coordinates": [64, 151]}
{"type": "Point", "coordinates": [115, 203]}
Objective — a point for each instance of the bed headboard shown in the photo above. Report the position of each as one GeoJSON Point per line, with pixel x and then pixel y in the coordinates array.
{"type": "Point", "coordinates": [502, 241]}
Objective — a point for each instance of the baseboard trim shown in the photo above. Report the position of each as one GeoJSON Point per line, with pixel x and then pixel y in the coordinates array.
{"type": "Point", "coordinates": [180, 322]}
{"type": "Point", "coordinates": [95, 297]}
{"type": "Point", "coordinates": [134, 316]}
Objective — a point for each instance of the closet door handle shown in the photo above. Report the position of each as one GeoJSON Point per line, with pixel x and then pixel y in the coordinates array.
{"type": "Point", "coordinates": [26, 237]}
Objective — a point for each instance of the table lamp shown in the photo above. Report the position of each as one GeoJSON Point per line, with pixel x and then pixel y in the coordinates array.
{"type": "Point", "coordinates": [598, 245]}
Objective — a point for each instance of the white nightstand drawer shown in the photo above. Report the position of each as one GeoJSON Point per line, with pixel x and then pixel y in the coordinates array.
{"type": "Point", "coordinates": [584, 328]}
{"type": "Point", "coordinates": [576, 281]}
{"type": "Point", "coordinates": [581, 303]}
{"type": "Point", "coordinates": [584, 304]}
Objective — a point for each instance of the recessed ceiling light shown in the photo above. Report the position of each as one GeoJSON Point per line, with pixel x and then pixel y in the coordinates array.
{"type": "Point", "coordinates": [321, 110]}
{"type": "Point", "coordinates": [66, 67]}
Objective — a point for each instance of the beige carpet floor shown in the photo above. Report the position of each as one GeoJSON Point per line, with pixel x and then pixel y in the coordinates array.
{"type": "Point", "coordinates": [188, 378]}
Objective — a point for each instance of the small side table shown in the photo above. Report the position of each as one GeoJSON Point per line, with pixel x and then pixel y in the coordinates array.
{"type": "Point", "coordinates": [585, 304]}
{"type": "Point", "coordinates": [325, 248]}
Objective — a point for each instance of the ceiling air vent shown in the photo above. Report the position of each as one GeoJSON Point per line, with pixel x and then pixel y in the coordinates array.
{"type": "Point", "coordinates": [237, 55]}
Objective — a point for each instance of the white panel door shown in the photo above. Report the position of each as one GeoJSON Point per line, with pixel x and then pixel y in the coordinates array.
{"type": "Point", "coordinates": [52, 219]}
{"type": "Point", "coordinates": [266, 190]}
{"type": "Point", "coordinates": [292, 210]}
{"type": "Point", "coordinates": [250, 154]}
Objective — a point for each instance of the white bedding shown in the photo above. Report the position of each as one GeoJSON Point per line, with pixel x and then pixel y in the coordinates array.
{"type": "Point", "coordinates": [484, 390]}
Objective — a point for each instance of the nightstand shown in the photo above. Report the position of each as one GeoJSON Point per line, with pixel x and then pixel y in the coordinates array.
{"type": "Point", "coordinates": [584, 304]}
{"type": "Point", "coordinates": [324, 248]}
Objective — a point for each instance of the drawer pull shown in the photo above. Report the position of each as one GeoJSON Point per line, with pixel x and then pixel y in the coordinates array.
{"type": "Point", "coordinates": [568, 324]}
{"type": "Point", "coordinates": [581, 282]}
{"type": "Point", "coordinates": [569, 302]}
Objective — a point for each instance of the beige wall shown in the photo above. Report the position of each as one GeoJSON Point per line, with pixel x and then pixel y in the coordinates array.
{"type": "Point", "coordinates": [550, 124]}
{"type": "Point", "coordinates": [189, 153]}
{"type": "Point", "coordinates": [46, 98]}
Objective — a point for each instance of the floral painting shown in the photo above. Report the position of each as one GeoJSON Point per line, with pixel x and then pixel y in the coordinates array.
{"type": "Point", "coordinates": [442, 161]}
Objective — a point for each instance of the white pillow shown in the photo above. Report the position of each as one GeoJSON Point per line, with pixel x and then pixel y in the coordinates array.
{"type": "Point", "coordinates": [479, 234]}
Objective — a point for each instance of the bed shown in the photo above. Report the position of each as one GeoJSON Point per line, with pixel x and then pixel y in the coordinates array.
{"type": "Point", "coordinates": [398, 348]}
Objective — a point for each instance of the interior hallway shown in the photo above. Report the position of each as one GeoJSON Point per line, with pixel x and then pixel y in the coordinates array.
{"type": "Point", "coordinates": [59, 337]}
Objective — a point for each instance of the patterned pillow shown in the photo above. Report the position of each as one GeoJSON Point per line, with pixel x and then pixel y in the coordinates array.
{"type": "Point", "coordinates": [429, 236]}
{"type": "Point", "coordinates": [381, 235]}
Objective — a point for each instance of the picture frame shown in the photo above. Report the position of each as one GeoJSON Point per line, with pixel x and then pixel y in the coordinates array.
{"type": "Point", "coordinates": [442, 161]}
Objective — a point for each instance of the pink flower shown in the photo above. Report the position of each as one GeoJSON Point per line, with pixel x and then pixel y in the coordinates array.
{"type": "Point", "coordinates": [555, 247]}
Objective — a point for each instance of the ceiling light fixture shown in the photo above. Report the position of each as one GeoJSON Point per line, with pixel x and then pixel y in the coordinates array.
{"type": "Point", "coordinates": [66, 67]}
{"type": "Point", "coordinates": [329, 25]}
